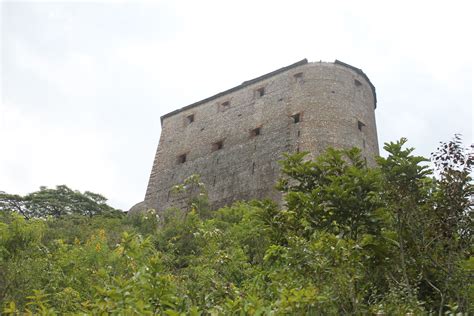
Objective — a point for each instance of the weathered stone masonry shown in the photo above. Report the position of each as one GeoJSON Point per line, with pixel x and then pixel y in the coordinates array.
{"type": "Point", "coordinates": [234, 139]}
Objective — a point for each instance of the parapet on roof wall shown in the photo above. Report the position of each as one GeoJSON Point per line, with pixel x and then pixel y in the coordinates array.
{"type": "Point", "coordinates": [266, 76]}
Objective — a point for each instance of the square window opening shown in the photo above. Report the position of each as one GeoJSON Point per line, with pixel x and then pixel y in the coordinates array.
{"type": "Point", "coordinates": [360, 125]}
{"type": "Point", "coordinates": [260, 92]}
{"type": "Point", "coordinates": [190, 118]}
{"type": "Point", "coordinates": [255, 132]}
{"type": "Point", "coordinates": [182, 158]}
{"type": "Point", "coordinates": [357, 83]}
{"type": "Point", "coordinates": [225, 105]}
{"type": "Point", "coordinates": [296, 118]}
{"type": "Point", "coordinates": [218, 145]}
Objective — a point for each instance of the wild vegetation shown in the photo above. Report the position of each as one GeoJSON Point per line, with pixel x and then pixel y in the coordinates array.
{"type": "Point", "coordinates": [391, 240]}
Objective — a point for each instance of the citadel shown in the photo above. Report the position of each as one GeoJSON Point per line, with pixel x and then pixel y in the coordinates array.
{"type": "Point", "coordinates": [235, 138]}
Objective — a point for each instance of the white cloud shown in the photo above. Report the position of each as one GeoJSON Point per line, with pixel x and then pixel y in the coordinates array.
{"type": "Point", "coordinates": [75, 73]}
{"type": "Point", "coordinates": [37, 153]}
{"type": "Point", "coordinates": [86, 82]}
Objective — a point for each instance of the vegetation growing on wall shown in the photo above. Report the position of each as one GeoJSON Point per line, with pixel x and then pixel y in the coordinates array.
{"type": "Point", "coordinates": [351, 240]}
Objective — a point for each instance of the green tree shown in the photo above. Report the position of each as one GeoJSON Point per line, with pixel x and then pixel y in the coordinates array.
{"type": "Point", "coordinates": [336, 193]}
{"type": "Point", "coordinates": [432, 218]}
{"type": "Point", "coordinates": [406, 190]}
{"type": "Point", "coordinates": [56, 202]}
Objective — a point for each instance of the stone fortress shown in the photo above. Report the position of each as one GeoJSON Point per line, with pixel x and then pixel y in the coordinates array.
{"type": "Point", "coordinates": [235, 138]}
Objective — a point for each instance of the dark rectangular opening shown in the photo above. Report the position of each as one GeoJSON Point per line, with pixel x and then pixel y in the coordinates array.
{"type": "Point", "coordinates": [190, 118]}
{"type": "Point", "coordinates": [255, 132]}
{"type": "Point", "coordinates": [296, 118]}
{"type": "Point", "coordinates": [357, 83]}
{"type": "Point", "coordinates": [260, 92]}
{"type": "Point", "coordinates": [182, 158]}
{"type": "Point", "coordinates": [225, 105]}
{"type": "Point", "coordinates": [360, 125]}
{"type": "Point", "coordinates": [218, 145]}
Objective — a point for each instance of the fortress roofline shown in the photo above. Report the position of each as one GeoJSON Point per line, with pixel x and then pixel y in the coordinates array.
{"type": "Point", "coordinates": [266, 76]}
{"type": "Point", "coordinates": [360, 72]}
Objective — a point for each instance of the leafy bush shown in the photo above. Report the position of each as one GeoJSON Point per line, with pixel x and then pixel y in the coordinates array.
{"type": "Point", "coordinates": [350, 240]}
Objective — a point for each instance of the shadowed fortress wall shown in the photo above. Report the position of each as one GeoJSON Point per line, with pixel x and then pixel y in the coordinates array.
{"type": "Point", "coordinates": [235, 138]}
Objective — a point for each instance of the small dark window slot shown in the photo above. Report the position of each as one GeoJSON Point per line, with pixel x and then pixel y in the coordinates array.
{"type": "Point", "coordinates": [253, 167]}
{"type": "Point", "coordinates": [299, 133]}
{"type": "Point", "coordinates": [360, 125]}
{"type": "Point", "coordinates": [255, 132]}
{"type": "Point", "coordinates": [296, 118]}
{"type": "Point", "coordinates": [182, 158]}
{"type": "Point", "coordinates": [225, 105]}
{"type": "Point", "coordinates": [260, 92]}
{"type": "Point", "coordinates": [357, 83]}
{"type": "Point", "coordinates": [218, 145]}
{"type": "Point", "coordinates": [190, 118]}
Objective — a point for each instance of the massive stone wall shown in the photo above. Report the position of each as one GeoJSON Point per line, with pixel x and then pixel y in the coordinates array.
{"type": "Point", "coordinates": [234, 139]}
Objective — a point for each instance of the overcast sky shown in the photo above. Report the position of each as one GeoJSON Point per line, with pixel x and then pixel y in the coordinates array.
{"type": "Point", "coordinates": [83, 84]}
